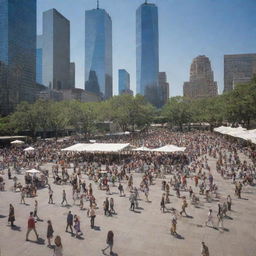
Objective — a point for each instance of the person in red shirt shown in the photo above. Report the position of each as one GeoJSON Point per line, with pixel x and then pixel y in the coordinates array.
{"type": "Point", "coordinates": [31, 226]}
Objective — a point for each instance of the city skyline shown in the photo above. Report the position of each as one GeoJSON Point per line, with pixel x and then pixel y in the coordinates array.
{"type": "Point", "coordinates": [186, 29]}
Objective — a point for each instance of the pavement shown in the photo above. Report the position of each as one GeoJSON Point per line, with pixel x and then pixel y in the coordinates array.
{"type": "Point", "coordinates": [145, 232]}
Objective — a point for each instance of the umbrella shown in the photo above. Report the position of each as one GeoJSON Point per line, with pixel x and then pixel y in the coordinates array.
{"type": "Point", "coordinates": [33, 171]}
{"type": "Point", "coordinates": [17, 142]}
{"type": "Point", "coordinates": [29, 149]}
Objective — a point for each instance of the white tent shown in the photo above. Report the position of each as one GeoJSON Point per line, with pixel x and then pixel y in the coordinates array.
{"type": "Point", "coordinates": [142, 149]}
{"type": "Point", "coordinates": [29, 149]}
{"type": "Point", "coordinates": [169, 149]}
{"type": "Point", "coordinates": [17, 142]}
{"type": "Point", "coordinates": [239, 132]}
{"type": "Point", "coordinates": [33, 171]}
{"type": "Point", "coordinates": [97, 147]}
{"type": "Point", "coordinates": [79, 147]}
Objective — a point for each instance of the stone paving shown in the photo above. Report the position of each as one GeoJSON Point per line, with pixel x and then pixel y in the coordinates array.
{"type": "Point", "coordinates": [145, 232]}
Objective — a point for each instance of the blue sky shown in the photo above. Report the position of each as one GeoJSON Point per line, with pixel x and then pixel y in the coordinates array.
{"type": "Point", "coordinates": [187, 28]}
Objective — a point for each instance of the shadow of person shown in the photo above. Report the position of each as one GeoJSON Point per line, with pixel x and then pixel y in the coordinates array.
{"type": "Point", "coordinates": [96, 228]}
{"type": "Point", "coordinates": [16, 228]}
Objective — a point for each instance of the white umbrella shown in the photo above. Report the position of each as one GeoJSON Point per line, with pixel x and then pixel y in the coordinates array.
{"type": "Point", "coordinates": [33, 171]}
{"type": "Point", "coordinates": [142, 149]}
{"type": "Point", "coordinates": [17, 142]}
{"type": "Point", "coordinates": [29, 149]}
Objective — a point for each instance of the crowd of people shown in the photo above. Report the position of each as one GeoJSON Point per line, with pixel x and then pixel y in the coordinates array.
{"type": "Point", "coordinates": [188, 174]}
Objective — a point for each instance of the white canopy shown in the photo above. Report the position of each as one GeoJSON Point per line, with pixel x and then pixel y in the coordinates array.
{"type": "Point", "coordinates": [169, 149]}
{"type": "Point", "coordinates": [239, 132]}
{"type": "Point", "coordinates": [79, 147]}
{"type": "Point", "coordinates": [33, 171]}
{"type": "Point", "coordinates": [142, 149]}
{"type": "Point", "coordinates": [17, 142]}
{"type": "Point", "coordinates": [97, 147]}
{"type": "Point", "coordinates": [29, 149]}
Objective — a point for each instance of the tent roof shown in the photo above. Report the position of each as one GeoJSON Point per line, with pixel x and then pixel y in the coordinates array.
{"type": "Point", "coordinates": [17, 142]}
{"type": "Point", "coordinates": [142, 149]}
{"type": "Point", "coordinates": [239, 132]}
{"type": "Point", "coordinates": [97, 147]}
{"type": "Point", "coordinates": [169, 149]}
{"type": "Point", "coordinates": [29, 149]}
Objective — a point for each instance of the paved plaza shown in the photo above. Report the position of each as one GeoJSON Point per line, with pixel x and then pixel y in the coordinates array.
{"type": "Point", "coordinates": [143, 232]}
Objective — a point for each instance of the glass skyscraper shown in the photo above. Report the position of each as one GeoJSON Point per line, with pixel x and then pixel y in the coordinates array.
{"type": "Point", "coordinates": [147, 52]}
{"type": "Point", "coordinates": [56, 50]}
{"type": "Point", "coordinates": [98, 53]}
{"type": "Point", "coordinates": [39, 60]}
{"type": "Point", "coordinates": [17, 52]}
{"type": "Point", "coordinates": [123, 81]}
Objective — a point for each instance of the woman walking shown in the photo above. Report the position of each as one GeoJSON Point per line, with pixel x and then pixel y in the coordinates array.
{"type": "Point", "coordinates": [11, 215]}
{"type": "Point", "coordinates": [77, 226]}
{"type": "Point", "coordinates": [49, 232]}
{"type": "Point", "coordinates": [110, 242]}
{"type": "Point", "coordinates": [58, 250]}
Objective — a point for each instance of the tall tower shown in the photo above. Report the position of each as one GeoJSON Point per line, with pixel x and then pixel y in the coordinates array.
{"type": "Point", "coordinates": [201, 83]}
{"type": "Point", "coordinates": [98, 52]}
{"type": "Point", "coordinates": [56, 50]}
{"type": "Point", "coordinates": [147, 52]}
{"type": "Point", "coordinates": [17, 52]}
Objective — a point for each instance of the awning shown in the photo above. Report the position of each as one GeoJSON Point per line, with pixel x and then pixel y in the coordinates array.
{"type": "Point", "coordinates": [98, 147]}
{"type": "Point", "coordinates": [169, 149]}
{"type": "Point", "coordinates": [29, 149]}
{"type": "Point", "coordinates": [17, 142]}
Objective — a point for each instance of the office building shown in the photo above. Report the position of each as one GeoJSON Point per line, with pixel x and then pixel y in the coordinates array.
{"type": "Point", "coordinates": [17, 53]}
{"type": "Point", "coordinates": [56, 50]}
{"type": "Point", "coordinates": [123, 81]}
{"type": "Point", "coordinates": [39, 59]}
{"type": "Point", "coordinates": [164, 87]}
{"type": "Point", "coordinates": [147, 53]}
{"type": "Point", "coordinates": [72, 75]}
{"type": "Point", "coordinates": [238, 68]}
{"type": "Point", "coordinates": [98, 53]}
{"type": "Point", "coordinates": [201, 83]}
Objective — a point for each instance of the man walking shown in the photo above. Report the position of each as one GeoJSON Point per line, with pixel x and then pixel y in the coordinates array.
{"type": "Point", "coordinates": [69, 222]}
{"type": "Point", "coordinates": [132, 201]}
{"type": "Point", "coordinates": [50, 196]}
{"type": "Point", "coordinates": [64, 197]}
{"type": "Point", "coordinates": [92, 216]}
{"type": "Point", "coordinates": [31, 226]}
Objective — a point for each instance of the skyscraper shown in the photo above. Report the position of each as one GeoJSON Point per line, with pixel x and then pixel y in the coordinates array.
{"type": "Point", "coordinates": [238, 68]}
{"type": "Point", "coordinates": [123, 81]}
{"type": "Point", "coordinates": [164, 87]}
{"type": "Point", "coordinates": [201, 83]}
{"type": "Point", "coordinates": [72, 75]}
{"type": "Point", "coordinates": [56, 50]}
{"type": "Point", "coordinates": [147, 52]}
{"type": "Point", "coordinates": [98, 53]}
{"type": "Point", "coordinates": [39, 59]}
{"type": "Point", "coordinates": [17, 52]}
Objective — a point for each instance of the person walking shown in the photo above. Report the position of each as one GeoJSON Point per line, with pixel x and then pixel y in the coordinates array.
{"type": "Point", "coordinates": [49, 232]}
{"type": "Point", "coordinates": [69, 222]}
{"type": "Point", "coordinates": [92, 216]}
{"type": "Point", "coordinates": [77, 226]}
{"type": "Point", "coordinates": [111, 204]}
{"type": "Point", "coordinates": [22, 196]}
{"type": "Point", "coordinates": [132, 201]}
{"type": "Point", "coordinates": [229, 202]}
{"type": "Point", "coordinates": [204, 250]}
{"type": "Point", "coordinates": [58, 250]}
{"type": "Point", "coordinates": [184, 206]}
{"type": "Point", "coordinates": [110, 242]}
{"type": "Point", "coordinates": [64, 197]}
{"type": "Point", "coordinates": [106, 207]}
{"type": "Point", "coordinates": [11, 217]}
{"type": "Point", "coordinates": [35, 210]}
{"type": "Point", "coordinates": [210, 218]}
{"type": "Point", "coordinates": [31, 226]}
{"type": "Point", "coordinates": [174, 224]}
{"type": "Point", "coordinates": [162, 204]}
{"type": "Point", "coordinates": [50, 196]}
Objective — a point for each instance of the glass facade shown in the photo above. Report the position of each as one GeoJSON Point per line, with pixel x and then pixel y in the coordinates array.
{"type": "Point", "coordinates": [18, 51]}
{"type": "Point", "coordinates": [56, 50]}
{"type": "Point", "coordinates": [147, 52]}
{"type": "Point", "coordinates": [123, 81]}
{"type": "Point", "coordinates": [98, 53]}
{"type": "Point", "coordinates": [39, 60]}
